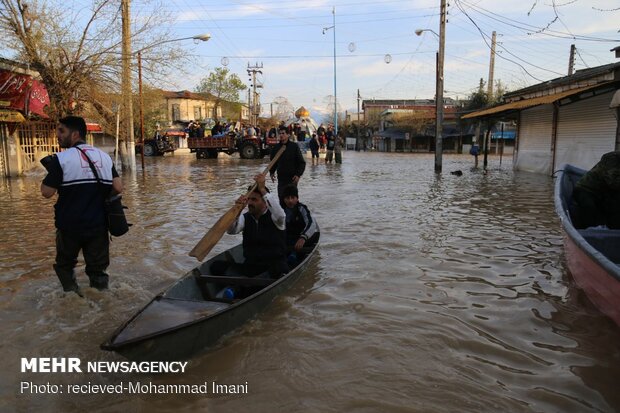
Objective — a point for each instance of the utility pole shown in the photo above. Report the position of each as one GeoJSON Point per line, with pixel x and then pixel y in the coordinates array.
{"type": "Point", "coordinates": [130, 152]}
{"type": "Point", "coordinates": [252, 71]}
{"type": "Point", "coordinates": [439, 92]}
{"type": "Point", "coordinates": [491, 68]}
{"type": "Point", "coordinates": [250, 104]}
{"type": "Point", "coordinates": [571, 60]}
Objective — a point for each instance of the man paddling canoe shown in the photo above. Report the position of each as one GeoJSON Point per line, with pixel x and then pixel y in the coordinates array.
{"type": "Point", "coordinates": [264, 237]}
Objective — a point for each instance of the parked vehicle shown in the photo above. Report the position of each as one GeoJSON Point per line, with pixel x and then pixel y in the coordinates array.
{"type": "Point", "coordinates": [159, 144]}
{"type": "Point", "coordinates": [249, 147]}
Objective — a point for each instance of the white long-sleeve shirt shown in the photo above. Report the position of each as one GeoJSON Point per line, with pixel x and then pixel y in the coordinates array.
{"type": "Point", "coordinates": [277, 215]}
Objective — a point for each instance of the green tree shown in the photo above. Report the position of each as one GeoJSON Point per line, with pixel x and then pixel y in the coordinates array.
{"type": "Point", "coordinates": [222, 85]}
{"type": "Point", "coordinates": [231, 110]}
{"type": "Point", "coordinates": [480, 98]}
{"type": "Point", "coordinates": [154, 112]}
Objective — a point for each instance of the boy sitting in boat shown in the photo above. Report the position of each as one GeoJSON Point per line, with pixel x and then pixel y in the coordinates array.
{"type": "Point", "coordinates": [597, 194]}
{"type": "Point", "coordinates": [301, 228]}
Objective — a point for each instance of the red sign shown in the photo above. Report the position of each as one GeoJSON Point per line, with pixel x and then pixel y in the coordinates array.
{"type": "Point", "coordinates": [22, 92]}
{"type": "Point", "coordinates": [38, 99]}
{"type": "Point", "coordinates": [93, 127]}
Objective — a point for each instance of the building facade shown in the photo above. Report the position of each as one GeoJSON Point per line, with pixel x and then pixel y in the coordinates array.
{"type": "Point", "coordinates": [185, 106]}
{"type": "Point", "coordinates": [409, 125]}
{"type": "Point", "coordinates": [572, 119]}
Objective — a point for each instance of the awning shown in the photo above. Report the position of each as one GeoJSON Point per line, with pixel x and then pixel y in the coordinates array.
{"type": "Point", "coordinates": [11, 116]}
{"type": "Point", "coordinates": [528, 103]}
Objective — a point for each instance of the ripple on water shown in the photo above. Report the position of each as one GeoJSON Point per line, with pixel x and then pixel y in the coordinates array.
{"type": "Point", "coordinates": [432, 293]}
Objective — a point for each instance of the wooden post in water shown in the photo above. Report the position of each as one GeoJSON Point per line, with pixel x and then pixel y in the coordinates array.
{"type": "Point", "coordinates": [501, 152]}
{"type": "Point", "coordinates": [476, 137]}
{"type": "Point", "coordinates": [487, 139]}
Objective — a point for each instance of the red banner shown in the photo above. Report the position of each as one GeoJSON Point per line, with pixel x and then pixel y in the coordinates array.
{"type": "Point", "coordinates": [38, 99]}
{"type": "Point", "coordinates": [22, 92]}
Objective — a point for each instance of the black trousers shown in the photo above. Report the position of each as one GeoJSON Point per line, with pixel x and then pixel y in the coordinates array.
{"type": "Point", "coordinates": [95, 247]}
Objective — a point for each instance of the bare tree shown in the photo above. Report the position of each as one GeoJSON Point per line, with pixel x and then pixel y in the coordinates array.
{"type": "Point", "coordinates": [77, 52]}
{"type": "Point", "coordinates": [329, 103]}
{"type": "Point", "coordinates": [284, 110]}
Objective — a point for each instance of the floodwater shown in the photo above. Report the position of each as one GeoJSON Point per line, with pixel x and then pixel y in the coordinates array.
{"type": "Point", "coordinates": [428, 294]}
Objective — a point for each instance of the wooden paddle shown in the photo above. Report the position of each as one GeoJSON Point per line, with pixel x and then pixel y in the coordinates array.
{"type": "Point", "coordinates": [216, 232]}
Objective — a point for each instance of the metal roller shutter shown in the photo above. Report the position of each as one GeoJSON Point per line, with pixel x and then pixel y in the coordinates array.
{"type": "Point", "coordinates": [535, 139]}
{"type": "Point", "coordinates": [586, 130]}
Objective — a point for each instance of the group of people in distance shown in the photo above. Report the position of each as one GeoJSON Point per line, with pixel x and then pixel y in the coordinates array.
{"type": "Point", "coordinates": [276, 228]}
{"type": "Point", "coordinates": [324, 140]}
{"type": "Point", "coordinates": [246, 130]}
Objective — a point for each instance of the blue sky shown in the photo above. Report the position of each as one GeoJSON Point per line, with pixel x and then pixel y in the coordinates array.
{"type": "Point", "coordinates": [286, 36]}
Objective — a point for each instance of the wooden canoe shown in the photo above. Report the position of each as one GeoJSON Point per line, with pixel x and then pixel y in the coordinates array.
{"type": "Point", "coordinates": [188, 317]}
{"type": "Point", "coordinates": [592, 254]}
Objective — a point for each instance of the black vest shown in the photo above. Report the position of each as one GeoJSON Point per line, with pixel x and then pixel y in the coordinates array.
{"type": "Point", "coordinates": [262, 240]}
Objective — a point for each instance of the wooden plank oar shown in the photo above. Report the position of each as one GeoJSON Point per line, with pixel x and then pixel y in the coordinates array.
{"type": "Point", "coordinates": [216, 232]}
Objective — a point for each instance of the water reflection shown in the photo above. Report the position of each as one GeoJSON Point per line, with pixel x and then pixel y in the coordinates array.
{"type": "Point", "coordinates": [444, 293]}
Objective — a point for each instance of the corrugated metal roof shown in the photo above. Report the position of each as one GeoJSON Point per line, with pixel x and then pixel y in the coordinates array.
{"type": "Point", "coordinates": [591, 75]}
{"type": "Point", "coordinates": [528, 103]}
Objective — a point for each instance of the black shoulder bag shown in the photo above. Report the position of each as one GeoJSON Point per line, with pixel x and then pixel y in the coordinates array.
{"type": "Point", "coordinates": [113, 207]}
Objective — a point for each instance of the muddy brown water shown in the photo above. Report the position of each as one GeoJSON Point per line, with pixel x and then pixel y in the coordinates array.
{"type": "Point", "coordinates": [428, 294]}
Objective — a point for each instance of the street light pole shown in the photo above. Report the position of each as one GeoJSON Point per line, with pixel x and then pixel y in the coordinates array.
{"type": "Point", "coordinates": [335, 93]}
{"type": "Point", "coordinates": [201, 37]}
{"type": "Point", "coordinates": [141, 110]}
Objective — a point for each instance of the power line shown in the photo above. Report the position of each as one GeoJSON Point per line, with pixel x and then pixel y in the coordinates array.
{"type": "Point", "coordinates": [530, 28]}
{"type": "Point", "coordinates": [484, 36]}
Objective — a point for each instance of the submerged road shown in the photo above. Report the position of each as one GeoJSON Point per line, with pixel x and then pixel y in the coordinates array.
{"type": "Point", "coordinates": [428, 294]}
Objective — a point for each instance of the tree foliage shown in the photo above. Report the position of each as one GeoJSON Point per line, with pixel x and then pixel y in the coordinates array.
{"type": "Point", "coordinates": [231, 110]}
{"type": "Point", "coordinates": [222, 85]}
{"type": "Point", "coordinates": [415, 122]}
{"type": "Point", "coordinates": [77, 52]}
{"type": "Point", "coordinates": [154, 112]}
{"type": "Point", "coordinates": [480, 98]}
